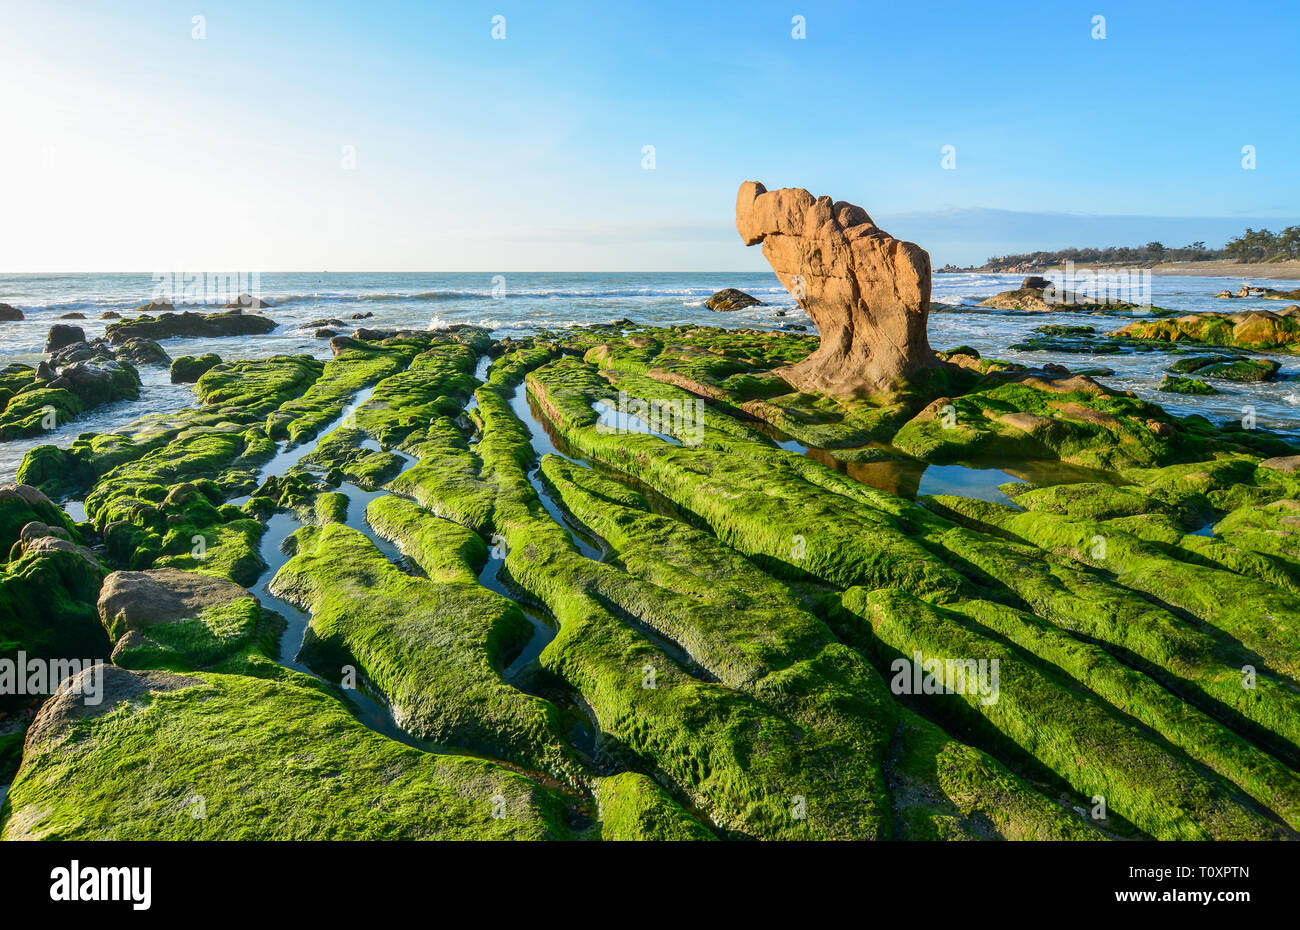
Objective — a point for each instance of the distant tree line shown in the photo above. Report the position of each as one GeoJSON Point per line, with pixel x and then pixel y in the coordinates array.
{"type": "Point", "coordinates": [1260, 245]}
{"type": "Point", "coordinates": [1254, 245]}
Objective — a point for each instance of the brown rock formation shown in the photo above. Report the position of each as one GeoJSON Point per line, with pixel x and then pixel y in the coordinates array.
{"type": "Point", "coordinates": [868, 292]}
{"type": "Point", "coordinates": [1039, 295]}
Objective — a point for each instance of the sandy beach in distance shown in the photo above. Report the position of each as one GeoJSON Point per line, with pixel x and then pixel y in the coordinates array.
{"type": "Point", "coordinates": [1266, 271]}
{"type": "Point", "coordinates": [1263, 271]}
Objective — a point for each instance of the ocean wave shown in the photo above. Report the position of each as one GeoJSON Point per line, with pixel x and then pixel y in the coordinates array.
{"type": "Point", "coordinates": [421, 297]}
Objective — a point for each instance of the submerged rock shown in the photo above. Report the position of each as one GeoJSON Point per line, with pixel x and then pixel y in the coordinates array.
{"type": "Point", "coordinates": [1176, 385]}
{"type": "Point", "coordinates": [247, 302]}
{"type": "Point", "coordinates": [867, 292]}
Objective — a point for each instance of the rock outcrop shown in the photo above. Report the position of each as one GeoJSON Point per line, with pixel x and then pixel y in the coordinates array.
{"type": "Point", "coordinates": [1249, 329]}
{"type": "Point", "coordinates": [189, 368]}
{"type": "Point", "coordinates": [142, 352]}
{"type": "Point", "coordinates": [1037, 294]}
{"type": "Point", "coordinates": [10, 314]}
{"type": "Point", "coordinates": [22, 505]}
{"type": "Point", "coordinates": [731, 299]}
{"type": "Point", "coordinates": [63, 334]}
{"type": "Point", "coordinates": [138, 600]}
{"type": "Point", "coordinates": [868, 292]}
{"type": "Point", "coordinates": [229, 323]}
{"type": "Point", "coordinates": [1269, 293]}
{"type": "Point", "coordinates": [77, 376]}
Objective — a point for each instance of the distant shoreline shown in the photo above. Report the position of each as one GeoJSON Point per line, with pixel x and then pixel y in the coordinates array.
{"type": "Point", "coordinates": [1270, 271]}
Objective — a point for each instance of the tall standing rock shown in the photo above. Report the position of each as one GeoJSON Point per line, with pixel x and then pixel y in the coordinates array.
{"type": "Point", "coordinates": [868, 292]}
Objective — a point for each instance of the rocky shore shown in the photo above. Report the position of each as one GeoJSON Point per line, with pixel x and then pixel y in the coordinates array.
{"type": "Point", "coordinates": [764, 595]}
{"type": "Point", "coordinates": [623, 581]}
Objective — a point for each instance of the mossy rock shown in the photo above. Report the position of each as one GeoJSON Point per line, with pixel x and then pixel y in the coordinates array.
{"type": "Point", "coordinates": [187, 369]}
{"type": "Point", "coordinates": [1175, 385]}
{"type": "Point", "coordinates": [229, 757]}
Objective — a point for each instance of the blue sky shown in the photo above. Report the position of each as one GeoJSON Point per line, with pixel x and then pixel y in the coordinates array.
{"type": "Point", "coordinates": [133, 145]}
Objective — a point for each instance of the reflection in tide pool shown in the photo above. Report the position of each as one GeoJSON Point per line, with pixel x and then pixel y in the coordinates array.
{"type": "Point", "coordinates": [614, 420]}
{"type": "Point", "coordinates": [910, 479]}
{"type": "Point", "coordinates": [962, 481]}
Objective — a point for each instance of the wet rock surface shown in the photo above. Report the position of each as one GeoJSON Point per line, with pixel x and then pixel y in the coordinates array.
{"type": "Point", "coordinates": [189, 368]}
{"type": "Point", "coordinates": [167, 325]}
{"type": "Point", "coordinates": [627, 582]}
{"type": "Point", "coordinates": [731, 299]}
{"type": "Point", "coordinates": [77, 376]}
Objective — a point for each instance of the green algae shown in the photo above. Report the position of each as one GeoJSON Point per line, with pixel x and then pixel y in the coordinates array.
{"type": "Point", "coordinates": [726, 752]}
{"type": "Point", "coordinates": [48, 589]}
{"type": "Point", "coordinates": [806, 689]}
{"type": "Point", "coordinates": [1260, 617]}
{"type": "Point", "coordinates": [943, 789]}
{"type": "Point", "coordinates": [1259, 330]}
{"type": "Point", "coordinates": [1175, 385]}
{"type": "Point", "coordinates": [22, 505]}
{"type": "Point", "coordinates": [436, 386]}
{"type": "Point", "coordinates": [432, 646]}
{"type": "Point", "coordinates": [1191, 661]}
{"type": "Point", "coordinates": [1071, 732]}
{"type": "Point", "coordinates": [237, 637]}
{"type": "Point", "coordinates": [342, 449]}
{"type": "Point", "coordinates": [235, 397]}
{"type": "Point", "coordinates": [354, 368]}
{"type": "Point", "coordinates": [1272, 530]}
{"type": "Point", "coordinates": [633, 807]}
{"type": "Point", "coordinates": [187, 369]}
{"type": "Point", "coordinates": [35, 407]}
{"type": "Point", "coordinates": [757, 720]}
{"type": "Point", "coordinates": [727, 482]}
{"type": "Point", "coordinates": [254, 388]}
{"type": "Point", "coordinates": [1201, 737]}
{"type": "Point", "coordinates": [1226, 368]}
{"type": "Point", "coordinates": [230, 757]}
